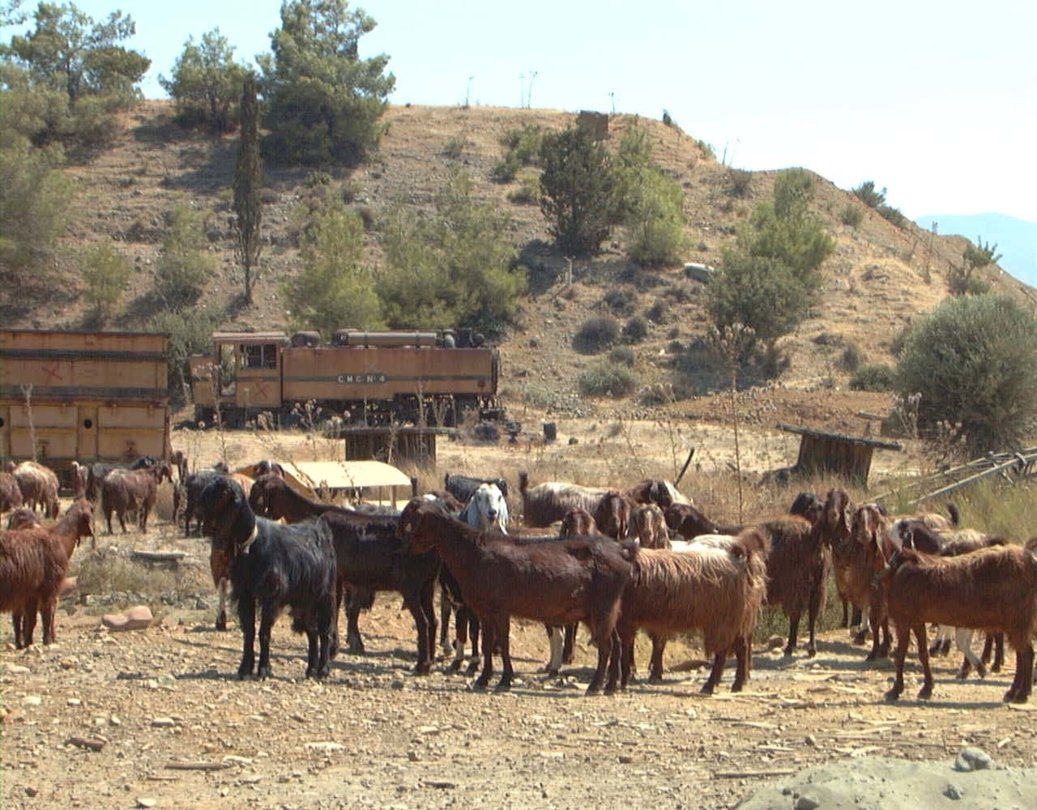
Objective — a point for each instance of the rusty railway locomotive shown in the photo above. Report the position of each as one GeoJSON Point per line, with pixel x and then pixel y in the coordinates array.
{"type": "Point", "coordinates": [374, 378]}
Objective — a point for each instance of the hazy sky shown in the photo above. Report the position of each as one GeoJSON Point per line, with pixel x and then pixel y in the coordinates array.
{"type": "Point", "coordinates": [935, 101]}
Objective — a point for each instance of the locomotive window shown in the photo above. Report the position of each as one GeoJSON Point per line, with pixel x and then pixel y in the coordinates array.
{"type": "Point", "coordinates": [88, 423]}
{"type": "Point", "coordinates": [260, 356]}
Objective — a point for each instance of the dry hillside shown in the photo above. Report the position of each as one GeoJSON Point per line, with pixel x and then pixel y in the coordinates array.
{"type": "Point", "coordinates": [879, 279]}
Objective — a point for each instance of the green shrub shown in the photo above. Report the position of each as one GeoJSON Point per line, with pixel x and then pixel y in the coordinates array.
{"type": "Point", "coordinates": [852, 357]}
{"type": "Point", "coordinates": [739, 182]}
{"type": "Point", "coordinates": [893, 216]}
{"type": "Point", "coordinates": [874, 378]}
{"type": "Point", "coordinates": [868, 195]}
{"type": "Point", "coordinates": [620, 300]}
{"type": "Point", "coordinates": [623, 355]}
{"type": "Point", "coordinates": [851, 215]}
{"type": "Point", "coordinates": [974, 361]}
{"type": "Point", "coordinates": [528, 192]}
{"type": "Point", "coordinates": [658, 312]}
{"type": "Point", "coordinates": [106, 272]}
{"type": "Point", "coordinates": [190, 332]}
{"type": "Point", "coordinates": [607, 379]}
{"type": "Point", "coordinates": [636, 329]}
{"type": "Point", "coordinates": [596, 334]}
{"type": "Point", "coordinates": [184, 265]}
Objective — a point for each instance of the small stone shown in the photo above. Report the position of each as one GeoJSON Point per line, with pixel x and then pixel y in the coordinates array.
{"type": "Point", "coordinates": [972, 759]}
{"type": "Point", "coordinates": [811, 740]}
{"type": "Point", "coordinates": [33, 700]}
{"type": "Point", "coordinates": [31, 792]}
{"type": "Point", "coordinates": [16, 669]}
{"type": "Point", "coordinates": [806, 803]}
{"type": "Point", "coordinates": [146, 802]}
{"type": "Point", "coordinates": [74, 702]}
{"type": "Point", "coordinates": [325, 747]}
{"type": "Point", "coordinates": [134, 618]}
{"type": "Point", "coordinates": [953, 792]}
{"type": "Point", "coordinates": [625, 759]}
{"type": "Point", "coordinates": [163, 722]}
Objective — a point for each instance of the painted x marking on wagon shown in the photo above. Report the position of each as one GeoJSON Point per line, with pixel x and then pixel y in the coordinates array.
{"type": "Point", "coordinates": [52, 373]}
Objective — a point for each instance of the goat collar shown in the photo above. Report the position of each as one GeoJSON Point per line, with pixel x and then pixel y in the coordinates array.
{"type": "Point", "coordinates": [243, 548]}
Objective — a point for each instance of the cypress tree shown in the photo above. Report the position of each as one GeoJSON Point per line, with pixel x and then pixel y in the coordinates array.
{"type": "Point", "coordinates": [248, 177]}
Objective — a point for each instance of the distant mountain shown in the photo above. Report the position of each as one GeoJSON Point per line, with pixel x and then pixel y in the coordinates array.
{"type": "Point", "coordinates": [1016, 239]}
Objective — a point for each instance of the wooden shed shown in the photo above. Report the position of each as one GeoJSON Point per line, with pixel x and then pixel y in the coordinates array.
{"type": "Point", "coordinates": [837, 453]}
{"type": "Point", "coordinates": [394, 444]}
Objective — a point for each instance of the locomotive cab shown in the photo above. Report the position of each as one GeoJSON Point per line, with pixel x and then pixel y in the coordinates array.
{"type": "Point", "coordinates": [242, 374]}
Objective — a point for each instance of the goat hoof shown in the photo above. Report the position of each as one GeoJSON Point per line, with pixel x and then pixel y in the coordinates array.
{"type": "Point", "coordinates": [455, 665]}
{"type": "Point", "coordinates": [504, 686]}
{"type": "Point", "coordinates": [707, 688]}
{"type": "Point", "coordinates": [221, 624]}
{"type": "Point", "coordinates": [925, 692]}
{"type": "Point", "coordinates": [892, 695]}
{"type": "Point", "coordinates": [422, 669]}
{"type": "Point", "coordinates": [481, 683]}
{"type": "Point", "coordinates": [860, 639]}
{"type": "Point", "coordinates": [472, 668]}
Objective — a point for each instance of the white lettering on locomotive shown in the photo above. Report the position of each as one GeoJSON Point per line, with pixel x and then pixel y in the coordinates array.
{"type": "Point", "coordinates": [361, 379]}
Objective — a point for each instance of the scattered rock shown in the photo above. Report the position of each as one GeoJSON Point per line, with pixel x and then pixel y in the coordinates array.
{"type": "Point", "coordinates": [807, 803]}
{"type": "Point", "coordinates": [972, 759]}
{"type": "Point", "coordinates": [163, 722]}
{"type": "Point", "coordinates": [325, 747]}
{"type": "Point", "coordinates": [134, 618]}
{"type": "Point", "coordinates": [953, 792]}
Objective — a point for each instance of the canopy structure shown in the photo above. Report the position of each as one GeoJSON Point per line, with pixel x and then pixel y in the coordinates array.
{"type": "Point", "coordinates": [358, 478]}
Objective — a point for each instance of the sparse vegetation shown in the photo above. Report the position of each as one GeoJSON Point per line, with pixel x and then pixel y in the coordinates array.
{"type": "Point", "coordinates": [851, 215]}
{"type": "Point", "coordinates": [739, 182]}
{"type": "Point", "coordinates": [608, 379]}
{"type": "Point", "coordinates": [964, 279]}
{"type": "Point", "coordinates": [636, 329]}
{"type": "Point", "coordinates": [522, 148]}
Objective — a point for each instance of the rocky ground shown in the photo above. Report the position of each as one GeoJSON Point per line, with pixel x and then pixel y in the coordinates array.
{"type": "Point", "coordinates": [157, 717]}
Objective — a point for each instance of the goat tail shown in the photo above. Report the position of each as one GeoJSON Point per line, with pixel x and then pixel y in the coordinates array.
{"type": "Point", "coordinates": [523, 481]}
{"type": "Point", "coordinates": [955, 515]}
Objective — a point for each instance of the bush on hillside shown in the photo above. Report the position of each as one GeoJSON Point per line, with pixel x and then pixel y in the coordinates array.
{"type": "Point", "coordinates": [608, 379]}
{"type": "Point", "coordinates": [874, 378]}
{"type": "Point", "coordinates": [974, 361]}
{"type": "Point", "coordinates": [596, 334]}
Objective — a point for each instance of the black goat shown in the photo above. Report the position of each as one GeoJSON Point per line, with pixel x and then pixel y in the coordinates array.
{"type": "Point", "coordinates": [463, 487]}
{"type": "Point", "coordinates": [275, 567]}
{"type": "Point", "coordinates": [370, 558]}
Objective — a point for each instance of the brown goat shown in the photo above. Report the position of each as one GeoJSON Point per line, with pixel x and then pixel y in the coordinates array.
{"type": "Point", "coordinates": [859, 567]}
{"type": "Point", "coordinates": [39, 487]}
{"type": "Point", "coordinates": [556, 583]}
{"type": "Point", "coordinates": [717, 591]}
{"type": "Point", "coordinates": [992, 589]}
{"type": "Point", "coordinates": [797, 573]}
{"type": "Point", "coordinates": [836, 527]}
{"type": "Point", "coordinates": [648, 525]}
{"type": "Point", "coordinates": [10, 493]}
{"type": "Point", "coordinates": [33, 563]}
{"type": "Point", "coordinates": [689, 521]}
{"type": "Point", "coordinates": [548, 502]}
{"type": "Point", "coordinates": [126, 490]}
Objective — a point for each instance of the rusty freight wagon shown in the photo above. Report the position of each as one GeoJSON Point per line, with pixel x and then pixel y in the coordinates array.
{"type": "Point", "coordinates": [85, 396]}
{"type": "Point", "coordinates": [433, 377]}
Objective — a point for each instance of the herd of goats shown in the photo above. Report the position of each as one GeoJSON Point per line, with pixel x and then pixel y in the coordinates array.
{"type": "Point", "coordinates": [616, 561]}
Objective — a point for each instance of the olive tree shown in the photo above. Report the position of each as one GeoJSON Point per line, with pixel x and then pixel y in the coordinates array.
{"type": "Point", "coordinates": [974, 362]}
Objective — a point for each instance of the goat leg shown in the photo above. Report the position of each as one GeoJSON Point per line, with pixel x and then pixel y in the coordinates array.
{"type": "Point", "coordinates": [268, 616]}
{"type": "Point", "coordinates": [615, 651]}
{"type": "Point", "coordinates": [507, 671]}
{"type": "Point", "coordinates": [715, 674]}
{"type": "Point", "coordinates": [655, 665]}
{"type": "Point", "coordinates": [488, 640]}
{"type": "Point", "coordinates": [247, 621]}
{"type": "Point", "coordinates": [926, 691]}
{"type": "Point", "coordinates": [790, 647]}
{"type": "Point", "coordinates": [903, 641]}
{"type": "Point", "coordinates": [742, 652]}
{"type": "Point", "coordinates": [604, 643]}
